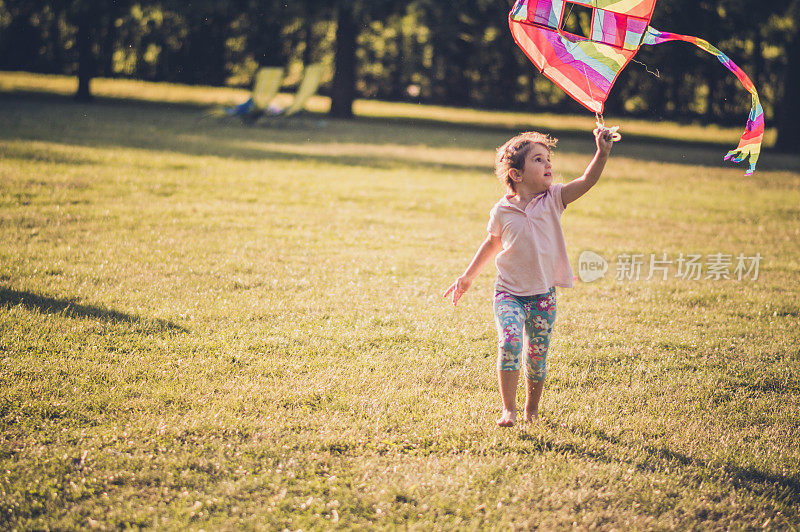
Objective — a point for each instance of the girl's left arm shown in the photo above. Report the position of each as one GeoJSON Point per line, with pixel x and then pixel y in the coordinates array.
{"type": "Point", "coordinates": [580, 186]}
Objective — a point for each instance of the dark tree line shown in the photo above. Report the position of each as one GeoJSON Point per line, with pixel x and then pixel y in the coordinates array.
{"type": "Point", "coordinates": [457, 52]}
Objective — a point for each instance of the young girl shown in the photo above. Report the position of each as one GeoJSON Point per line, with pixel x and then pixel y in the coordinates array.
{"type": "Point", "coordinates": [525, 234]}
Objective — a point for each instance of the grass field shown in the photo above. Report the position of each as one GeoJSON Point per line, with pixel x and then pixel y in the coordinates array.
{"type": "Point", "coordinates": [209, 326]}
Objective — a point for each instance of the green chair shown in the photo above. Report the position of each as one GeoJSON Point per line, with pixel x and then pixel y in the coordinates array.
{"type": "Point", "coordinates": [265, 88]}
{"type": "Point", "coordinates": [312, 77]}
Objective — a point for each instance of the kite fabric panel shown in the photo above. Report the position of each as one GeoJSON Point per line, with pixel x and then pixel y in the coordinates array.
{"type": "Point", "coordinates": [634, 8]}
{"type": "Point", "coordinates": [586, 67]}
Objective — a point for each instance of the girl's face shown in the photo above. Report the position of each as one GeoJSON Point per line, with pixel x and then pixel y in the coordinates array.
{"type": "Point", "coordinates": [536, 171]}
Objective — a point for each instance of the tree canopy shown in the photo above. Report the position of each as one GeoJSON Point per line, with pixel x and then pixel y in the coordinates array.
{"type": "Point", "coordinates": [458, 52]}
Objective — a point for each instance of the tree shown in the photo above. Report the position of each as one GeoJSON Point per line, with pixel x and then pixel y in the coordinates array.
{"type": "Point", "coordinates": [21, 39]}
{"type": "Point", "coordinates": [343, 92]}
{"type": "Point", "coordinates": [264, 23]}
{"type": "Point", "coordinates": [348, 15]}
{"type": "Point", "coordinates": [94, 20]}
{"type": "Point", "coordinates": [87, 18]}
{"type": "Point", "coordinates": [789, 121]}
{"type": "Point", "coordinates": [458, 52]}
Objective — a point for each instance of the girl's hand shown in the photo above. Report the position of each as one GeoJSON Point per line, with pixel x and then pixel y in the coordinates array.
{"type": "Point", "coordinates": [604, 138]}
{"type": "Point", "coordinates": [458, 288]}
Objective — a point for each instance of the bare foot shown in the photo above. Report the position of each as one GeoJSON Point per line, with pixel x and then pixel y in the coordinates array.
{"type": "Point", "coordinates": [531, 417]}
{"type": "Point", "coordinates": [507, 419]}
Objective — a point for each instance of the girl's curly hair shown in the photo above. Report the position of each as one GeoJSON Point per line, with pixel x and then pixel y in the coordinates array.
{"type": "Point", "coordinates": [512, 154]}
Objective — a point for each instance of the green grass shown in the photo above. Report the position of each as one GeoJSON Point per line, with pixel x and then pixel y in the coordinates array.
{"type": "Point", "coordinates": [209, 326]}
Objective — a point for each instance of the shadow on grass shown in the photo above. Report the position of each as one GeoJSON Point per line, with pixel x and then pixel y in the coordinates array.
{"type": "Point", "coordinates": [785, 488]}
{"type": "Point", "coordinates": [313, 120]}
{"type": "Point", "coordinates": [217, 138]}
{"type": "Point", "coordinates": [198, 146]}
{"type": "Point", "coordinates": [72, 309]}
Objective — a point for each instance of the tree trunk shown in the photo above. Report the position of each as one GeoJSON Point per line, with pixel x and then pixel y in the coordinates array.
{"type": "Point", "coordinates": [86, 59]}
{"type": "Point", "coordinates": [533, 102]}
{"type": "Point", "coordinates": [308, 35]}
{"type": "Point", "coordinates": [396, 67]}
{"type": "Point", "coordinates": [109, 40]}
{"type": "Point", "coordinates": [758, 58]}
{"type": "Point", "coordinates": [712, 78]}
{"type": "Point", "coordinates": [56, 40]}
{"type": "Point", "coordinates": [266, 40]}
{"type": "Point", "coordinates": [789, 109]}
{"type": "Point", "coordinates": [343, 92]}
{"type": "Point", "coordinates": [615, 103]}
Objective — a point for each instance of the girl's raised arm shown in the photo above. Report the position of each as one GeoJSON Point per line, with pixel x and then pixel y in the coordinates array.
{"type": "Point", "coordinates": [488, 249]}
{"type": "Point", "coordinates": [580, 186]}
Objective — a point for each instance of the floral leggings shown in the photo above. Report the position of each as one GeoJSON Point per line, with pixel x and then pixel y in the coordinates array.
{"type": "Point", "coordinates": [533, 314]}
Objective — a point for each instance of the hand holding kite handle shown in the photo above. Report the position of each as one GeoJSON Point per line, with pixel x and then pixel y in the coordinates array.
{"type": "Point", "coordinates": [615, 136]}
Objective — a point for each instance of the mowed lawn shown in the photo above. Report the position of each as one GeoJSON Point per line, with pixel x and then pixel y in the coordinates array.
{"type": "Point", "coordinates": [211, 326]}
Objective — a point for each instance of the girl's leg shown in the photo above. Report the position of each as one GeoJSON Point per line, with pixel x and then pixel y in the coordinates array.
{"type": "Point", "coordinates": [510, 318]}
{"type": "Point", "coordinates": [539, 320]}
{"type": "Point", "coordinates": [508, 379]}
{"type": "Point", "coordinates": [533, 393]}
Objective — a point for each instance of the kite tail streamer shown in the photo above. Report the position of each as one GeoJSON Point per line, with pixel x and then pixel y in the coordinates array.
{"type": "Point", "coordinates": [750, 143]}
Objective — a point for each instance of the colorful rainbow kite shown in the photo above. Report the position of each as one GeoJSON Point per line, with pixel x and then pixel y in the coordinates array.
{"type": "Point", "coordinates": [586, 68]}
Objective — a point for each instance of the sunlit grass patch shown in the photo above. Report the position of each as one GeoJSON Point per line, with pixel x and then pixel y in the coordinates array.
{"type": "Point", "coordinates": [212, 326]}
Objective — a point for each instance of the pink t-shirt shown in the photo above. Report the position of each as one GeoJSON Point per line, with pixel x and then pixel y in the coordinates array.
{"type": "Point", "coordinates": [534, 256]}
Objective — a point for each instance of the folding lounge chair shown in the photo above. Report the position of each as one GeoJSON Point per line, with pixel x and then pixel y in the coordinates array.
{"type": "Point", "coordinates": [312, 76]}
{"type": "Point", "coordinates": [265, 88]}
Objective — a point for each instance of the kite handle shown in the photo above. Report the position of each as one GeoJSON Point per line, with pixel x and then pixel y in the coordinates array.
{"type": "Point", "coordinates": [601, 126]}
